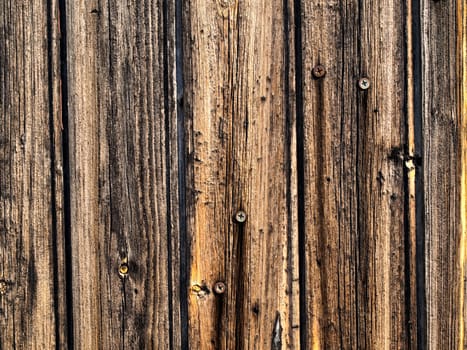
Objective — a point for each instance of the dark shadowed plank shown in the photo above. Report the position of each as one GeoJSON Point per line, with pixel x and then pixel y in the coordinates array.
{"type": "Point", "coordinates": [442, 167]}
{"type": "Point", "coordinates": [462, 80]}
{"type": "Point", "coordinates": [354, 152]}
{"type": "Point", "coordinates": [32, 312]}
{"type": "Point", "coordinates": [240, 140]}
{"type": "Point", "coordinates": [123, 174]}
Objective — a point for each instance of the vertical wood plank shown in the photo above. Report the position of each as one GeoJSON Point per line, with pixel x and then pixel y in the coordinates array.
{"type": "Point", "coordinates": [442, 169]}
{"type": "Point", "coordinates": [123, 174]}
{"type": "Point", "coordinates": [355, 151]}
{"type": "Point", "coordinates": [240, 127]}
{"type": "Point", "coordinates": [462, 88]}
{"type": "Point", "coordinates": [32, 308]}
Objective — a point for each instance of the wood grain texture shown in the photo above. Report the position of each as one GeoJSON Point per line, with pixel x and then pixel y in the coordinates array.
{"type": "Point", "coordinates": [462, 89]}
{"type": "Point", "coordinates": [240, 137]}
{"type": "Point", "coordinates": [123, 171]}
{"type": "Point", "coordinates": [355, 154]}
{"type": "Point", "coordinates": [132, 132]}
{"type": "Point", "coordinates": [442, 169]}
{"type": "Point", "coordinates": [32, 303]}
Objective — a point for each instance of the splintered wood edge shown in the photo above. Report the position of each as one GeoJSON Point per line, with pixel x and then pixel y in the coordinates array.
{"type": "Point", "coordinates": [462, 74]}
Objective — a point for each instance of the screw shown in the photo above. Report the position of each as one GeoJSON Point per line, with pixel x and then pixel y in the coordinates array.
{"type": "Point", "coordinates": [319, 71]}
{"type": "Point", "coordinates": [364, 83]}
{"type": "Point", "coordinates": [123, 269]}
{"type": "Point", "coordinates": [240, 216]}
{"type": "Point", "coordinates": [219, 288]}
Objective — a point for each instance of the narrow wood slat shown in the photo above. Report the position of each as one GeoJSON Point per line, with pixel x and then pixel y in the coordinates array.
{"type": "Point", "coordinates": [462, 80]}
{"type": "Point", "coordinates": [123, 174]}
{"type": "Point", "coordinates": [354, 153]}
{"type": "Point", "coordinates": [32, 278]}
{"type": "Point", "coordinates": [240, 136]}
{"type": "Point", "coordinates": [442, 169]}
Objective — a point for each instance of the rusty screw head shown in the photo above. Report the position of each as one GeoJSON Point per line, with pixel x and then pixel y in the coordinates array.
{"type": "Point", "coordinates": [219, 288]}
{"type": "Point", "coordinates": [364, 83]}
{"type": "Point", "coordinates": [240, 216]}
{"type": "Point", "coordinates": [319, 71]}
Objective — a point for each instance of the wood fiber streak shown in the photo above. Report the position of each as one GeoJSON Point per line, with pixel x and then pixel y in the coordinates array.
{"type": "Point", "coordinates": [442, 166]}
{"type": "Point", "coordinates": [240, 142]}
{"type": "Point", "coordinates": [123, 174]}
{"type": "Point", "coordinates": [32, 312]}
{"type": "Point", "coordinates": [354, 158]}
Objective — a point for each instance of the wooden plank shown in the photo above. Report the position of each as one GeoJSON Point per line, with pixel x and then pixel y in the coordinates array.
{"type": "Point", "coordinates": [240, 136]}
{"type": "Point", "coordinates": [123, 171]}
{"type": "Point", "coordinates": [32, 307]}
{"type": "Point", "coordinates": [354, 153]}
{"type": "Point", "coordinates": [462, 88]}
{"type": "Point", "coordinates": [442, 169]}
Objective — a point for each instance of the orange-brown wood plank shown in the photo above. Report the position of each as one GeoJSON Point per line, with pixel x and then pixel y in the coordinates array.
{"type": "Point", "coordinates": [240, 137]}
{"type": "Point", "coordinates": [32, 277]}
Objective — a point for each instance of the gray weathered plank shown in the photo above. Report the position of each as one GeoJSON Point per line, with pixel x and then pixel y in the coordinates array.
{"type": "Point", "coordinates": [32, 299]}
{"type": "Point", "coordinates": [354, 152]}
{"type": "Point", "coordinates": [442, 173]}
{"type": "Point", "coordinates": [123, 174]}
{"type": "Point", "coordinates": [462, 103]}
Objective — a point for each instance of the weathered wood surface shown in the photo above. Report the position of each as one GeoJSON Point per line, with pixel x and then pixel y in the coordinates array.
{"type": "Point", "coordinates": [462, 110]}
{"type": "Point", "coordinates": [123, 174]}
{"type": "Point", "coordinates": [132, 132]}
{"type": "Point", "coordinates": [32, 313]}
{"type": "Point", "coordinates": [354, 143]}
{"type": "Point", "coordinates": [442, 165]}
{"type": "Point", "coordinates": [240, 134]}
